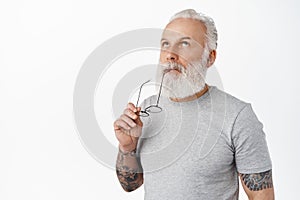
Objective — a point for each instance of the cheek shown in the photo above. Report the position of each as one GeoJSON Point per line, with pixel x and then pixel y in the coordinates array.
{"type": "Point", "coordinates": [194, 54]}
{"type": "Point", "coordinates": [183, 62]}
{"type": "Point", "coordinates": [185, 57]}
{"type": "Point", "coordinates": [162, 56]}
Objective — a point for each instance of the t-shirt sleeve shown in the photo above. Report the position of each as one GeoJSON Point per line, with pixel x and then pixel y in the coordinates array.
{"type": "Point", "coordinates": [249, 143]}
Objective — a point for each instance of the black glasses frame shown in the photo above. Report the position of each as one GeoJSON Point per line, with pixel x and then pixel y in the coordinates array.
{"type": "Point", "coordinates": [154, 108]}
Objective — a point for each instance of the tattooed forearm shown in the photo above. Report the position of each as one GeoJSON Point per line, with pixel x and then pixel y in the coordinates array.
{"type": "Point", "coordinates": [129, 171]}
{"type": "Point", "coordinates": [258, 181]}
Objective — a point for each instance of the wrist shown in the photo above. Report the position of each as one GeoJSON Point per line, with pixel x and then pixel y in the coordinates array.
{"type": "Point", "coordinates": [127, 151]}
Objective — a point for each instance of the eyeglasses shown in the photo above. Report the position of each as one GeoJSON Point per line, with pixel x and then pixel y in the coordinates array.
{"type": "Point", "coordinates": [154, 108]}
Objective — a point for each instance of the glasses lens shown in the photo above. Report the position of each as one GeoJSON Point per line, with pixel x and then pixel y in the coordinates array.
{"type": "Point", "coordinates": [143, 114]}
{"type": "Point", "coordinates": [154, 109]}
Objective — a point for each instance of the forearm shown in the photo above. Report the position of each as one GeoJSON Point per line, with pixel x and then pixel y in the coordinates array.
{"type": "Point", "coordinates": [129, 171]}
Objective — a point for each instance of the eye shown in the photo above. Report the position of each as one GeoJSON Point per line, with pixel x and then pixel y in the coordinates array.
{"type": "Point", "coordinates": [185, 44]}
{"type": "Point", "coordinates": [165, 44]}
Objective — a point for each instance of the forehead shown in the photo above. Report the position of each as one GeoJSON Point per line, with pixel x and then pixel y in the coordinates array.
{"type": "Point", "coordinates": [185, 27]}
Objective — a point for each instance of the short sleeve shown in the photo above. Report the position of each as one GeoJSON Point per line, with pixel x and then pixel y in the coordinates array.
{"type": "Point", "coordinates": [249, 143]}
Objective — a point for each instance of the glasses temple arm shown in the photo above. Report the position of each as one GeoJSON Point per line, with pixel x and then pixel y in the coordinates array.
{"type": "Point", "coordinates": [160, 87]}
{"type": "Point", "coordinates": [137, 103]}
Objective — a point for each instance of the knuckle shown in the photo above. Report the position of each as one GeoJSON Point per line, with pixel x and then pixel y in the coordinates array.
{"type": "Point", "coordinates": [129, 112]}
{"type": "Point", "coordinates": [116, 124]}
{"type": "Point", "coordinates": [124, 116]}
{"type": "Point", "coordinates": [131, 107]}
{"type": "Point", "coordinates": [126, 111]}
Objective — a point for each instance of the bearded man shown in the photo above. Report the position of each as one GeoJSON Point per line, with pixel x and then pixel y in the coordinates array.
{"type": "Point", "coordinates": [202, 139]}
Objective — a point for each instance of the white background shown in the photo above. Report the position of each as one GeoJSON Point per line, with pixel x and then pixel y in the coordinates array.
{"type": "Point", "coordinates": [44, 43]}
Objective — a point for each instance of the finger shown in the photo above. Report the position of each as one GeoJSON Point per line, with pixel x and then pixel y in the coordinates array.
{"type": "Point", "coordinates": [130, 114]}
{"type": "Point", "coordinates": [116, 127]}
{"type": "Point", "coordinates": [128, 120]}
{"type": "Point", "coordinates": [138, 121]}
{"type": "Point", "coordinates": [131, 107]}
{"type": "Point", "coordinates": [121, 124]}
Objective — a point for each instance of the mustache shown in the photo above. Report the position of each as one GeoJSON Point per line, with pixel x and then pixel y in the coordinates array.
{"type": "Point", "coordinates": [166, 67]}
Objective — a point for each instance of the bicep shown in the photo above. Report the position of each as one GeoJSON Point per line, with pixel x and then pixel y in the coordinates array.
{"type": "Point", "coordinates": [258, 185]}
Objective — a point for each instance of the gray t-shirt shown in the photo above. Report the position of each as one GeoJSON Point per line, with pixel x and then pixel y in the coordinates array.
{"type": "Point", "coordinates": [193, 150]}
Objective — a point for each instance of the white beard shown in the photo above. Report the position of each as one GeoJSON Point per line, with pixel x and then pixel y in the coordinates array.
{"type": "Point", "coordinates": [190, 81]}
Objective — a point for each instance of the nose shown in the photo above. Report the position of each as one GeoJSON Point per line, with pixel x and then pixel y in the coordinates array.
{"type": "Point", "coordinates": [171, 56]}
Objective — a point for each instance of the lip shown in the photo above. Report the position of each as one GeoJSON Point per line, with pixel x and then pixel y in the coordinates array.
{"type": "Point", "coordinates": [170, 70]}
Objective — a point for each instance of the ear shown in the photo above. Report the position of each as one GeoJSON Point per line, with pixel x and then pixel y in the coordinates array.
{"type": "Point", "coordinates": [212, 58]}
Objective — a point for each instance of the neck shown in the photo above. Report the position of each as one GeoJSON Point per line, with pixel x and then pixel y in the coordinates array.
{"type": "Point", "coordinates": [192, 97]}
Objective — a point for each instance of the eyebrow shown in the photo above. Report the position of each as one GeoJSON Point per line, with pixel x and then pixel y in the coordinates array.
{"type": "Point", "coordinates": [183, 38]}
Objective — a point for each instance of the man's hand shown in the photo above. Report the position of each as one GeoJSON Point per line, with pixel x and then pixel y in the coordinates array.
{"type": "Point", "coordinates": [128, 128]}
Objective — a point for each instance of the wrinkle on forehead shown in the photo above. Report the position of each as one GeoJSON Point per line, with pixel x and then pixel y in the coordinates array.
{"type": "Point", "coordinates": [185, 27]}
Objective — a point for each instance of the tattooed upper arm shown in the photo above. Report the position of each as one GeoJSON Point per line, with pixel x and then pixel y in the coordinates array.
{"type": "Point", "coordinates": [258, 181]}
{"type": "Point", "coordinates": [258, 184]}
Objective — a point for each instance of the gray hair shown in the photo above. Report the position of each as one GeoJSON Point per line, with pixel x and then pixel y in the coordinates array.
{"type": "Point", "coordinates": [211, 30]}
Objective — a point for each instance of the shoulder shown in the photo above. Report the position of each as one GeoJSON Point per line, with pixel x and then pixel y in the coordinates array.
{"type": "Point", "coordinates": [232, 104]}
{"type": "Point", "coordinates": [238, 114]}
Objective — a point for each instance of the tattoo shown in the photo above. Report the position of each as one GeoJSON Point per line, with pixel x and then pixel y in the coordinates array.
{"type": "Point", "coordinates": [258, 181]}
{"type": "Point", "coordinates": [130, 177]}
